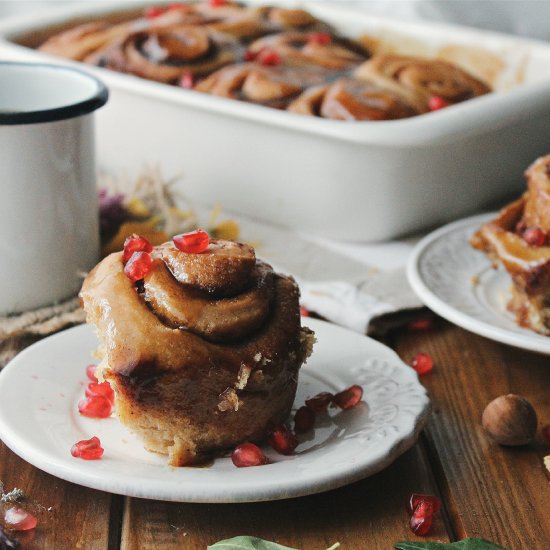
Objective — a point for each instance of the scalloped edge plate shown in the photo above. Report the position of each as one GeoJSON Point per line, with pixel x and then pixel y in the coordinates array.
{"type": "Point", "coordinates": [40, 389]}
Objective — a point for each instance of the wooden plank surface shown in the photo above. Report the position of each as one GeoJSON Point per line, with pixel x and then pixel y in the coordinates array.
{"type": "Point", "coordinates": [70, 517]}
{"type": "Point", "coordinates": [369, 514]}
{"type": "Point", "coordinates": [494, 492]}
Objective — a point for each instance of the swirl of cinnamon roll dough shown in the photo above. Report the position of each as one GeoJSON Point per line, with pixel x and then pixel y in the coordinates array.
{"type": "Point", "coordinates": [274, 86]}
{"type": "Point", "coordinates": [321, 49]}
{"type": "Point", "coordinates": [164, 53]}
{"type": "Point", "coordinates": [417, 80]}
{"type": "Point", "coordinates": [203, 353]}
{"type": "Point", "coordinates": [352, 99]}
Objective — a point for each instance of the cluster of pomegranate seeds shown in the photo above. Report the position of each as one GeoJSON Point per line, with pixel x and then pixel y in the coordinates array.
{"type": "Point", "coordinates": [187, 81]}
{"type": "Point", "coordinates": [422, 509]}
{"type": "Point", "coordinates": [304, 420]}
{"type": "Point", "coordinates": [193, 242]}
{"type": "Point", "coordinates": [320, 402]}
{"type": "Point", "coordinates": [422, 363]}
{"type": "Point", "coordinates": [319, 38]}
{"type": "Point", "coordinates": [95, 407]}
{"type": "Point", "coordinates": [88, 449]}
{"type": "Point", "coordinates": [436, 102]}
{"type": "Point", "coordinates": [282, 440]}
{"type": "Point", "coordinates": [18, 519]}
{"type": "Point", "coordinates": [247, 454]}
{"type": "Point", "coordinates": [545, 431]}
{"type": "Point", "coordinates": [95, 389]}
{"type": "Point", "coordinates": [139, 264]}
{"type": "Point", "coordinates": [268, 57]}
{"type": "Point", "coordinates": [534, 236]}
{"type": "Point", "coordinates": [349, 397]}
{"type": "Point", "coordinates": [135, 243]}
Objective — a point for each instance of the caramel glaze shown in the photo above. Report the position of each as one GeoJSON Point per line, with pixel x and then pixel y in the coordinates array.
{"type": "Point", "coordinates": [224, 375]}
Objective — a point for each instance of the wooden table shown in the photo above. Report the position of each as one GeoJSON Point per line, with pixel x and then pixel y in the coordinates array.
{"type": "Point", "coordinates": [501, 494]}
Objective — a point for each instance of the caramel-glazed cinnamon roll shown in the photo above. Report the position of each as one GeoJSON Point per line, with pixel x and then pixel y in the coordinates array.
{"type": "Point", "coordinates": [204, 352]}
{"type": "Point", "coordinates": [321, 49]}
{"type": "Point", "coordinates": [165, 53]}
{"type": "Point", "coordinates": [352, 99]}
{"type": "Point", "coordinates": [417, 80]}
{"type": "Point", "coordinates": [274, 86]}
{"type": "Point", "coordinates": [518, 239]}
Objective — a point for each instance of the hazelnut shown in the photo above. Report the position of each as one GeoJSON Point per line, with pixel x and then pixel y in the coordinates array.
{"type": "Point", "coordinates": [510, 420]}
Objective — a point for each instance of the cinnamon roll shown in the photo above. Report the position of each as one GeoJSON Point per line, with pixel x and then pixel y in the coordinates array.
{"type": "Point", "coordinates": [203, 351]}
{"type": "Point", "coordinates": [306, 49]}
{"type": "Point", "coordinates": [352, 99]}
{"type": "Point", "coordinates": [417, 80]}
{"type": "Point", "coordinates": [164, 54]}
{"type": "Point", "coordinates": [518, 239]}
{"type": "Point", "coordinates": [274, 86]}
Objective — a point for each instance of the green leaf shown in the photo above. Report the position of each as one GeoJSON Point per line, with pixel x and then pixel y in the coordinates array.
{"type": "Point", "coordinates": [247, 543]}
{"type": "Point", "coordinates": [466, 544]}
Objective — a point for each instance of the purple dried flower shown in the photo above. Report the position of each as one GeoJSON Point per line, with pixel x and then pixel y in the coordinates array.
{"type": "Point", "coordinates": [112, 213]}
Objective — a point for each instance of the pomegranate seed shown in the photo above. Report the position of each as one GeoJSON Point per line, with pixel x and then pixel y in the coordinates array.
{"type": "Point", "coordinates": [250, 55]}
{"type": "Point", "coordinates": [349, 397]}
{"type": "Point", "coordinates": [437, 102]}
{"type": "Point", "coordinates": [422, 518]}
{"type": "Point", "coordinates": [19, 519]}
{"type": "Point", "coordinates": [422, 363]}
{"type": "Point", "coordinates": [104, 389]}
{"type": "Point", "coordinates": [135, 243]}
{"type": "Point", "coordinates": [95, 407]}
{"type": "Point", "coordinates": [416, 498]}
{"type": "Point", "coordinates": [421, 325]}
{"type": "Point", "coordinates": [88, 449]}
{"type": "Point", "coordinates": [282, 440]}
{"type": "Point", "coordinates": [534, 236]}
{"type": "Point", "coordinates": [187, 81]}
{"type": "Point", "coordinates": [304, 419]}
{"type": "Point", "coordinates": [248, 454]}
{"type": "Point", "coordinates": [304, 312]}
{"type": "Point", "coordinates": [545, 430]}
{"type": "Point", "coordinates": [153, 12]}
{"type": "Point", "coordinates": [139, 264]}
{"type": "Point", "coordinates": [320, 38]}
{"type": "Point", "coordinates": [268, 57]}
{"type": "Point", "coordinates": [90, 372]}
{"type": "Point", "coordinates": [216, 3]}
{"type": "Point", "coordinates": [320, 402]}
{"type": "Point", "coordinates": [193, 242]}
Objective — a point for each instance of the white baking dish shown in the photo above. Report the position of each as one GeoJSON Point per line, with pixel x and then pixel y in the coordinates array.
{"type": "Point", "coordinates": [361, 181]}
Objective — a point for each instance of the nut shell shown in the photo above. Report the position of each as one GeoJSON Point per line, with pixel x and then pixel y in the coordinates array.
{"type": "Point", "coordinates": [510, 419]}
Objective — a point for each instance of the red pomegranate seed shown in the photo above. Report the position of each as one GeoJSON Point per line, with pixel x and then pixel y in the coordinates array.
{"type": "Point", "coordinates": [304, 312]}
{"type": "Point", "coordinates": [437, 102]}
{"type": "Point", "coordinates": [153, 12]}
{"type": "Point", "coordinates": [90, 372]}
{"type": "Point", "coordinates": [416, 498]}
{"type": "Point", "coordinates": [95, 407]}
{"type": "Point", "coordinates": [304, 419]}
{"type": "Point", "coordinates": [320, 38]}
{"type": "Point", "coordinates": [135, 243]}
{"type": "Point", "coordinates": [422, 518]}
{"type": "Point", "coordinates": [534, 236]}
{"type": "Point", "coordinates": [320, 402]}
{"type": "Point", "coordinates": [422, 363]}
{"type": "Point", "coordinates": [545, 430]}
{"type": "Point", "coordinates": [349, 397]}
{"type": "Point", "coordinates": [250, 55]}
{"type": "Point", "coordinates": [421, 325]}
{"type": "Point", "coordinates": [193, 242]}
{"type": "Point", "coordinates": [187, 81]}
{"type": "Point", "coordinates": [19, 520]}
{"type": "Point", "coordinates": [282, 440]}
{"type": "Point", "coordinates": [139, 264]}
{"type": "Point", "coordinates": [268, 57]}
{"type": "Point", "coordinates": [248, 454]}
{"type": "Point", "coordinates": [88, 449]}
{"type": "Point", "coordinates": [104, 389]}
{"type": "Point", "coordinates": [216, 3]}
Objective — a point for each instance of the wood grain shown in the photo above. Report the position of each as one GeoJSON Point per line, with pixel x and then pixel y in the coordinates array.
{"type": "Point", "coordinates": [494, 492]}
{"type": "Point", "coordinates": [368, 514]}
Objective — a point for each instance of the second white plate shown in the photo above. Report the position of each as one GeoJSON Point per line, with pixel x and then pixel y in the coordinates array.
{"type": "Point", "coordinates": [40, 389]}
{"type": "Point", "coordinates": [458, 283]}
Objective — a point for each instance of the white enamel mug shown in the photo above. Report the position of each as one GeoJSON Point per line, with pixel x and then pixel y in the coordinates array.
{"type": "Point", "coordinates": [49, 230]}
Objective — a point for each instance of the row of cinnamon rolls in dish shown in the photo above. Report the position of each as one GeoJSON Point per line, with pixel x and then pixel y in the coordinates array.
{"type": "Point", "coordinates": [277, 57]}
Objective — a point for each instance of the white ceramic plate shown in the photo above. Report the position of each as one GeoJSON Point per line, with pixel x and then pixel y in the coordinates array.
{"type": "Point", "coordinates": [458, 282]}
{"type": "Point", "coordinates": [40, 389]}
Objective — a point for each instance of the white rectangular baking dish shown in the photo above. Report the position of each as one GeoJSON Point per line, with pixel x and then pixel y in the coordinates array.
{"type": "Point", "coordinates": [360, 181]}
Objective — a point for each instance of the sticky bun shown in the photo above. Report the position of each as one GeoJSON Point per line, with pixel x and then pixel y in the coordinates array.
{"type": "Point", "coordinates": [203, 352]}
{"type": "Point", "coordinates": [517, 239]}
